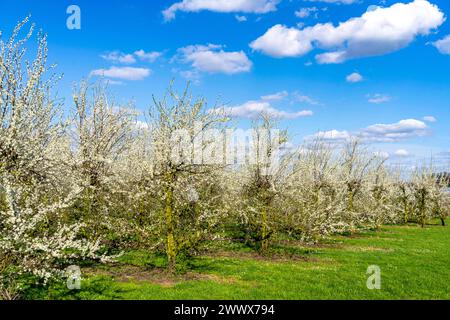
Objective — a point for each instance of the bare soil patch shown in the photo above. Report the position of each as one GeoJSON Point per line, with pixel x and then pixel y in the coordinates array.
{"type": "Point", "coordinates": [156, 276]}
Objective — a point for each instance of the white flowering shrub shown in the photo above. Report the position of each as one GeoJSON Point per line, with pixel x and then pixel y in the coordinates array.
{"type": "Point", "coordinates": [403, 200]}
{"type": "Point", "coordinates": [36, 183]}
{"type": "Point", "coordinates": [313, 198]}
{"type": "Point", "coordinates": [101, 134]}
{"type": "Point", "coordinates": [256, 185]}
{"type": "Point", "coordinates": [430, 196]}
{"type": "Point", "coordinates": [379, 201]}
{"type": "Point", "coordinates": [440, 198]}
{"type": "Point", "coordinates": [183, 188]}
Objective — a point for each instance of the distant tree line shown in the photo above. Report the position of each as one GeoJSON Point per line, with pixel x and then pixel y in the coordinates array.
{"type": "Point", "coordinates": [443, 177]}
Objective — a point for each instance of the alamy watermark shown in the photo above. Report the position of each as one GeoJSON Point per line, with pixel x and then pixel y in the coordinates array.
{"type": "Point", "coordinates": [73, 274]}
{"type": "Point", "coordinates": [374, 279]}
{"type": "Point", "coordinates": [226, 147]}
{"type": "Point", "coordinates": [73, 22]}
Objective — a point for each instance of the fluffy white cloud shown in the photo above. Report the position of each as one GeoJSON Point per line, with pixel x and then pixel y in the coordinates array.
{"type": "Point", "coordinates": [119, 57]}
{"type": "Point", "coordinates": [331, 57]}
{"type": "Point", "coordinates": [281, 41]}
{"type": "Point", "coordinates": [125, 73]}
{"type": "Point", "coordinates": [394, 132]}
{"type": "Point", "coordinates": [354, 77]}
{"type": "Point", "coordinates": [247, 6]}
{"type": "Point", "coordinates": [429, 119]}
{"type": "Point", "coordinates": [404, 129]}
{"type": "Point", "coordinates": [331, 136]}
{"type": "Point", "coordinates": [213, 59]}
{"type": "Point", "coordinates": [253, 109]}
{"type": "Point", "coordinates": [147, 56]}
{"type": "Point", "coordinates": [130, 58]}
{"type": "Point", "coordinates": [402, 153]}
{"type": "Point", "coordinates": [376, 32]}
{"type": "Point", "coordinates": [443, 45]}
{"type": "Point", "coordinates": [379, 98]}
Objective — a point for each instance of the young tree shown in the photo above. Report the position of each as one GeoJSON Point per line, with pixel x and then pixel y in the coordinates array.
{"type": "Point", "coordinates": [356, 166]}
{"type": "Point", "coordinates": [259, 180]}
{"type": "Point", "coordinates": [33, 175]}
{"type": "Point", "coordinates": [102, 134]}
{"type": "Point", "coordinates": [312, 196]}
{"type": "Point", "coordinates": [440, 198]}
{"type": "Point", "coordinates": [177, 126]}
{"type": "Point", "coordinates": [404, 198]}
{"type": "Point", "coordinates": [423, 182]}
{"type": "Point", "coordinates": [381, 195]}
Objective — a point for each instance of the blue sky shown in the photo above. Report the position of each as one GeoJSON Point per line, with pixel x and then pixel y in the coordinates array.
{"type": "Point", "coordinates": [382, 74]}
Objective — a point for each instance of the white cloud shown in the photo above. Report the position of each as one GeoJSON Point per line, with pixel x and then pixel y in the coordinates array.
{"type": "Point", "coordinates": [404, 129]}
{"type": "Point", "coordinates": [280, 41]}
{"type": "Point", "coordinates": [253, 109]}
{"type": "Point", "coordinates": [247, 6]}
{"type": "Point", "coordinates": [147, 56]}
{"type": "Point", "coordinates": [305, 12]}
{"type": "Point", "coordinates": [331, 136]}
{"type": "Point", "coordinates": [429, 119]}
{"type": "Point", "coordinates": [276, 96]}
{"type": "Point", "coordinates": [443, 45]}
{"type": "Point", "coordinates": [402, 153]}
{"type": "Point", "coordinates": [190, 74]}
{"type": "Point", "coordinates": [376, 32]}
{"type": "Point", "coordinates": [379, 98]}
{"type": "Point", "coordinates": [125, 73]}
{"type": "Point", "coordinates": [130, 58]}
{"type": "Point", "coordinates": [331, 57]}
{"type": "Point", "coordinates": [240, 18]}
{"type": "Point", "coordinates": [354, 77]}
{"type": "Point", "coordinates": [213, 59]}
{"type": "Point", "coordinates": [119, 57]}
{"type": "Point", "coordinates": [394, 132]}
{"type": "Point", "coordinates": [295, 97]}
{"type": "Point", "coordinates": [304, 98]}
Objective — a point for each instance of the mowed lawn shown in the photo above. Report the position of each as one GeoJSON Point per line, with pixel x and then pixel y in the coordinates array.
{"type": "Point", "coordinates": [414, 262]}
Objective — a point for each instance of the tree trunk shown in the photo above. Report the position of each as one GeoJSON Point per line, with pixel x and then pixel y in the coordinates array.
{"type": "Point", "coordinates": [171, 247]}
{"type": "Point", "coordinates": [350, 201]}
{"type": "Point", "coordinates": [422, 208]}
{"type": "Point", "coordinates": [406, 211]}
{"type": "Point", "coordinates": [264, 232]}
{"type": "Point", "coordinates": [443, 222]}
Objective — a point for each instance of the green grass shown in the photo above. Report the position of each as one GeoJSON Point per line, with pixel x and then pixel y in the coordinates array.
{"type": "Point", "coordinates": [414, 262]}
